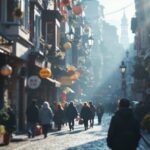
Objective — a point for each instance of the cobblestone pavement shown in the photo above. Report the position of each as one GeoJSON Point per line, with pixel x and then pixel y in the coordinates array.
{"type": "Point", "coordinates": [79, 139]}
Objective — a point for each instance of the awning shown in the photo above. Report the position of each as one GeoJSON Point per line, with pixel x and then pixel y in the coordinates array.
{"type": "Point", "coordinates": [69, 90]}
{"type": "Point", "coordinates": [57, 83]}
{"type": "Point", "coordinates": [65, 80]}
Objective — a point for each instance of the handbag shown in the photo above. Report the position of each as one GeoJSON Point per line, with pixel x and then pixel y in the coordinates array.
{"type": "Point", "coordinates": [38, 129]}
{"type": "Point", "coordinates": [81, 121]}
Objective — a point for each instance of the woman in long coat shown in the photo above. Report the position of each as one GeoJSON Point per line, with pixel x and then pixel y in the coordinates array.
{"type": "Point", "coordinates": [46, 117]}
{"type": "Point", "coordinates": [59, 116]}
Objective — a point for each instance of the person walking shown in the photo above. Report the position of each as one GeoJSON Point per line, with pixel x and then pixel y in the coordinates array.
{"type": "Point", "coordinates": [71, 113]}
{"type": "Point", "coordinates": [32, 118]}
{"type": "Point", "coordinates": [85, 114]}
{"type": "Point", "coordinates": [99, 112]}
{"type": "Point", "coordinates": [124, 130]}
{"type": "Point", "coordinates": [92, 116]}
{"type": "Point", "coordinates": [59, 116]}
{"type": "Point", "coordinates": [46, 117]}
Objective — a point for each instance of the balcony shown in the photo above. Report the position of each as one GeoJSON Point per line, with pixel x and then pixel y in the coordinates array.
{"type": "Point", "coordinates": [15, 31]}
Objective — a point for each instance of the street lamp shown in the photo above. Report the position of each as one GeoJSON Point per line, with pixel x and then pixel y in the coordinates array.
{"type": "Point", "coordinates": [123, 78]}
{"type": "Point", "coordinates": [90, 41]}
{"type": "Point", "coordinates": [123, 67]}
{"type": "Point", "coordinates": [71, 35]}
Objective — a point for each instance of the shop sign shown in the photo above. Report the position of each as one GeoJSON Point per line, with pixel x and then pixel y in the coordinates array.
{"type": "Point", "coordinates": [34, 82]}
{"type": "Point", "coordinates": [45, 73]}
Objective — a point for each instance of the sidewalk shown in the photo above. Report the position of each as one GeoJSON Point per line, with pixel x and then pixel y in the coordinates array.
{"type": "Point", "coordinates": [19, 137]}
{"type": "Point", "coordinates": [24, 137]}
{"type": "Point", "coordinates": [146, 137]}
{"type": "Point", "coordinates": [144, 143]}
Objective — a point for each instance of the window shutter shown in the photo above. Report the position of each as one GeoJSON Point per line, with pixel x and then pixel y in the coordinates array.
{"type": "Point", "coordinates": [10, 10]}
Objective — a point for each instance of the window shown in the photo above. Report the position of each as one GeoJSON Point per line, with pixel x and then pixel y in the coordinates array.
{"type": "Point", "coordinates": [49, 32]}
{"type": "Point", "coordinates": [25, 9]}
{"type": "Point", "coordinates": [24, 5]}
{"type": "Point", "coordinates": [10, 10]}
{"type": "Point", "coordinates": [4, 14]}
{"type": "Point", "coordinates": [37, 33]}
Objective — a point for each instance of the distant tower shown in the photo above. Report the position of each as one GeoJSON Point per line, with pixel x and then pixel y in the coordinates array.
{"type": "Point", "coordinates": [124, 40]}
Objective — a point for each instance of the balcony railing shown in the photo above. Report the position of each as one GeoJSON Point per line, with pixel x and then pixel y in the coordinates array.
{"type": "Point", "coordinates": [17, 31]}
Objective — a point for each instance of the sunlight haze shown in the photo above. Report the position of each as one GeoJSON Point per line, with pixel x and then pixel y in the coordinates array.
{"type": "Point", "coordinates": [113, 11]}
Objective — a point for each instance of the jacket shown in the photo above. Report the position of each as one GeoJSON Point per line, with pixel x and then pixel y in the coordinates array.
{"type": "Point", "coordinates": [46, 114]}
{"type": "Point", "coordinates": [124, 131]}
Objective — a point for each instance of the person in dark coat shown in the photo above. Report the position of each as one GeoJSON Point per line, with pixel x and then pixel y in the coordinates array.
{"type": "Point", "coordinates": [59, 116]}
{"type": "Point", "coordinates": [71, 113]}
{"type": "Point", "coordinates": [92, 116]}
{"type": "Point", "coordinates": [32, 118]}
{"type": "Point", "coordinates": [85, 114]}
{"type": "Point", "coordinates": [99, 112]}
{"type": "Point", "coordinates": [124, 130]}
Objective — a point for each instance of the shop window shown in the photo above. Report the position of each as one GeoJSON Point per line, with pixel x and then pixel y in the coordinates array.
{"type": "Point", "coordinates": [49, 32]}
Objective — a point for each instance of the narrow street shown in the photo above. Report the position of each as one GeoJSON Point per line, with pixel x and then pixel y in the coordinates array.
{"type": "Point", "coordinates": [92, 139]}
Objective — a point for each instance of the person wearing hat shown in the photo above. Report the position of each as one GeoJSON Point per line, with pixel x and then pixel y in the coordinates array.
{"type": "Point", "coordinates": [124, 130]}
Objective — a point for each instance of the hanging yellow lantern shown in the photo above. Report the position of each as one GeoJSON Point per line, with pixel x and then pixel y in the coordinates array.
{"type": "Point", "coordinates": [67, 45]}
{"type": "Point", "coordinates": [45, 73]}
{"type": "Point", "coordinates": [71, 68]}
{"type": "Point", "coordinates": [6, 70]}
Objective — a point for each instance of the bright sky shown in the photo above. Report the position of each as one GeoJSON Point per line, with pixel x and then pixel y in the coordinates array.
{"type": "Point", "coordinates": [117, 6]}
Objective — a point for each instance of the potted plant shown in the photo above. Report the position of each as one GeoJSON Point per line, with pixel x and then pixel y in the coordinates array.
{"type": "Point", "coordinates": [7, 124]}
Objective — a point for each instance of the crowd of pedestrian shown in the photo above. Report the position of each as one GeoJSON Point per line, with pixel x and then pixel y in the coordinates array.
{"type": "Point", "coordinates": [125, 127]}
{"type": "Point", "coordinates": [45, 116]}
{"type": "Point", "coordinates": [124, 131]}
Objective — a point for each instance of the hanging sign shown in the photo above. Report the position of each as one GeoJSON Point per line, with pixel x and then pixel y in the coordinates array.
{"type": "Point", "coordinates": [45, 73]}
{"type": "Point", "coordinates": [34, 82]}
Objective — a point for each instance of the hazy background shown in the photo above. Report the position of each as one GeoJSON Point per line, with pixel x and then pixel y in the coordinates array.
{"type": "Point", "coordinates": [113, 11]}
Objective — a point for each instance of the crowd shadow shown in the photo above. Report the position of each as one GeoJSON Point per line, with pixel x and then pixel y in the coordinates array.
{"type": "Point", "coordinates": [94, 145]}
{"type": "Point", "coordinates": [61, 133]}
